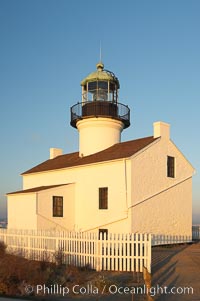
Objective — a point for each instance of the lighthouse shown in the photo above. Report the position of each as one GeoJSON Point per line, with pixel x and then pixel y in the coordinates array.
{"type": "Point", "coordinates": [99, 118]}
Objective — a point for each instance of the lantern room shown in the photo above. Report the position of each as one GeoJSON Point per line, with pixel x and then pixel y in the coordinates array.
{"type": "Point", "coordinates": [100, 98]}
{"type": "Point", "coordinates": [101, 85]}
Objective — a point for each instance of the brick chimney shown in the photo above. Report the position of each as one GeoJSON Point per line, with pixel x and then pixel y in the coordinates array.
{"type": "Point", "coordinates": [55, 152]}
{"type": "Point", "coordinates": [161, 129]}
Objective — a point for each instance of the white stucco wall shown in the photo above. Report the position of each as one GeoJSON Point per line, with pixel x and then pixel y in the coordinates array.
{"type": "Point", "coordinates": [161, 204]}
{"type": "Point", "coordinates": [167, 213]}
{"type": "Point", "coordinates": [22, 211]}
{"type": "Point", "coordinates": [88, 179]}
{"type": "Point", "coordinates": [33, 210]}
{"type": "Point", "coordinates": [45, 219]}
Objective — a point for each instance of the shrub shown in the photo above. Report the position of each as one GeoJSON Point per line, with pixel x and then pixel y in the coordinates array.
{"type": "Point", "coordinates": [59, 257]}
{"type": "Point", "coordinates": [2, 248]}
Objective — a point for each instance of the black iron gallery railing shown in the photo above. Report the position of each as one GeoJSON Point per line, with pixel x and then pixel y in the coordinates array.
{"type": "Point", "coordinates": [106, 109]}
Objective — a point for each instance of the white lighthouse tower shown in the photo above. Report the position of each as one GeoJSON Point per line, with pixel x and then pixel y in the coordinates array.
{"type": "Point", "coordinates": [99, 117]}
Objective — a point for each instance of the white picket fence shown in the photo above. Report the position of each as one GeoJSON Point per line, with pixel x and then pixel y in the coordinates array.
{"type": "Point", "coordinates": [116, 252]}
{"type": "Point", "coordinates": [162, 239]}
{"type": "Point", "coordinates": [196, 232]}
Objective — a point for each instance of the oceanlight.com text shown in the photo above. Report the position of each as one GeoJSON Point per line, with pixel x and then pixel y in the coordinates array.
{"type": "Point", "coordinates": [152, 291]}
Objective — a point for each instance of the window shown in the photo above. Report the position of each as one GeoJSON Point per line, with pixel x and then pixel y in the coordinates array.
{"type": "Point", "coordinates": [170, 167]}
{"type": "Point", "coordinates": [103, 198]}
{"type": "Point", "coordinates": [103, 234]}
{"type": "Point", "coordinates": [57, 206]}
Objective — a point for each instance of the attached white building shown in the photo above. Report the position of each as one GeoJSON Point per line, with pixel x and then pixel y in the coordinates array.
{"type": "Point", "coordinates": [143, 185]}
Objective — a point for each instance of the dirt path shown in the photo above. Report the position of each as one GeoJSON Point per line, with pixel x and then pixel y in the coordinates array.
{"type": "Point", "coordinates": [177, 268]}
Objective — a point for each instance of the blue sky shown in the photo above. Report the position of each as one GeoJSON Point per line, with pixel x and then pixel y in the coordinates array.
{"type": "Point", "coordinates": [48, 46]}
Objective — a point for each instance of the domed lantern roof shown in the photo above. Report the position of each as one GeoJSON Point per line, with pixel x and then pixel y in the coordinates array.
{"type": "Point", "coordinates": [101, 75]}
{"type": "Point", "coordinates": [101, 85]}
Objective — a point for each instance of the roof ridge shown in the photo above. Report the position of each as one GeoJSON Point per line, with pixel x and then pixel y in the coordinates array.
{"type": "Point", "coordinates": [117, 151]}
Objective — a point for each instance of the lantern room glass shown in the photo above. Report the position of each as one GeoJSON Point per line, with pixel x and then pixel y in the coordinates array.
{"type": "Point", "coordinates": [100, 91]}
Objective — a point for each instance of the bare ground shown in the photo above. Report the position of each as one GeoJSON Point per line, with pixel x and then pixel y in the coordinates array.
{"type": "Point", "coordinates": [179, 267]}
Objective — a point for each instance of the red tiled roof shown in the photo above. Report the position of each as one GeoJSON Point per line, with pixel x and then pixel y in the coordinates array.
{"type": "Point", "coordinates": [35, 189]}
{"type": "Point", "coordinates": [117, 151]}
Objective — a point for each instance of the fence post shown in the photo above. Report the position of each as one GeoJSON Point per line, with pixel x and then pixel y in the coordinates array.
{"type": "Point", "coordinates": [99, 252]}
{"type": "Point", "coordinates": [149, 252]}
{"type": "Point", "coordinates": [147, 281]}
{"type": "Point", "coordinates": [57, 243]}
